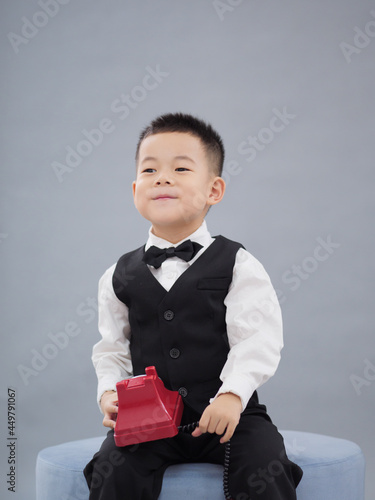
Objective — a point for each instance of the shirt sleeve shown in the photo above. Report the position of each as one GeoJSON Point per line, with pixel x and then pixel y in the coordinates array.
{"type": "Point", "coordinates": [254, 327]}
{"type": "Point", "coordinates": [111, 355]}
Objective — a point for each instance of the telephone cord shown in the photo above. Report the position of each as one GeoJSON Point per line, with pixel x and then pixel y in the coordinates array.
{"type": "Point", "coordinates": [190, 428]}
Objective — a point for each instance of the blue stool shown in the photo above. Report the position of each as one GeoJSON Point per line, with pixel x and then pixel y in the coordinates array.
{"type": "Point", "coordinates": [334, 469]}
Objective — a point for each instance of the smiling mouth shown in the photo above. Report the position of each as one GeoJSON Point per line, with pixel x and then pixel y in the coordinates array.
{"type": "Point", "coordinates": [164, 197]}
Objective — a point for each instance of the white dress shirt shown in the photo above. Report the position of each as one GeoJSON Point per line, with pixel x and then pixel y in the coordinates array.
{"type": "Point", "coordinates": [253, 318]}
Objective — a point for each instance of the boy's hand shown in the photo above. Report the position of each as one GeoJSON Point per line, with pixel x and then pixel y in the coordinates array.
{"type": "Point", "coordinates": [221, 415]}
{"type": "Point", "coordinates": [109, 407]}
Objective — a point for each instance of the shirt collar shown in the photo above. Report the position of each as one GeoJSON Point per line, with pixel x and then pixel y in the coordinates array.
{"type": "Point", "coordinates": [201, 236]}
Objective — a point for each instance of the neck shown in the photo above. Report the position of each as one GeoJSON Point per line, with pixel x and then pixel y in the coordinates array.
{"type": "Point", "coordinates": [174, 235]}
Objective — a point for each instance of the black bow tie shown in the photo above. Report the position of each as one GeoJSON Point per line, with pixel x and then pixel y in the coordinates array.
{"type": "Point", "coordinates": [155, 256]}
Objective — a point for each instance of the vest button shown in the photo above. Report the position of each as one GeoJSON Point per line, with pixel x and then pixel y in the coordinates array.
{"type": "Point", "coordinates": [174, 353]}
{"type": "Point", "coordinates": [168, 315]}
{"type": "Point", "coordinates": [183, 392]}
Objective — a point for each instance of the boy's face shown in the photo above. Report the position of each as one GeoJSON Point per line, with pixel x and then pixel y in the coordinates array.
{"type": "Point", "coordinates": [175, 185]}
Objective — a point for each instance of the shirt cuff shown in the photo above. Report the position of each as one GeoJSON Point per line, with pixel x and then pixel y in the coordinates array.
{"type": "Point", "coordinates": [240, 385]}
{"type": "Point", "coordinates": [102, 388]}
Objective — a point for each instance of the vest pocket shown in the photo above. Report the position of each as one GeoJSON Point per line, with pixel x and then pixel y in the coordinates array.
{"type": "Point", "coordinates": [214, 283]}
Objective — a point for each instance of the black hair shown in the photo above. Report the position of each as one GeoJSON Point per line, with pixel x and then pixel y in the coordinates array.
{"type": "Point", "coordinates": [185, 123]}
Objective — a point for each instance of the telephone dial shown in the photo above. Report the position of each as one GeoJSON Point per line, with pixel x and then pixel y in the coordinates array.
{"type": "Point", "coordinates": [147, 411]}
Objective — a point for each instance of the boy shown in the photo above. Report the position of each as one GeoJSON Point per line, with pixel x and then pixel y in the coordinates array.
{"type": "Point", "coordinates": [202, 310]}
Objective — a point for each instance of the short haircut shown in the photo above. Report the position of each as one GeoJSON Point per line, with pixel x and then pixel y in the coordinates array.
{"type": "Point", "coordinates": [188, 124]}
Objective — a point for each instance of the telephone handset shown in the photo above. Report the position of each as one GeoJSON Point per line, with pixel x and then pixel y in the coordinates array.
{"type": "Point", "coordinates": [146, 409]}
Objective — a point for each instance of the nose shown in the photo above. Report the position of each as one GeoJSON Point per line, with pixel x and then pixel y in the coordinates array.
{"type": "Point", "coordinates": [163, 178]}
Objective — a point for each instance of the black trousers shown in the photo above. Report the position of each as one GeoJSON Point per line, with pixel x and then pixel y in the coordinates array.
{"type": "Point", "coordinates": [258, 468]}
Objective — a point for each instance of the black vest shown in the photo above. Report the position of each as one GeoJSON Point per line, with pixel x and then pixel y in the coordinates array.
{"type": "Point", "coordinates": [181, 332]}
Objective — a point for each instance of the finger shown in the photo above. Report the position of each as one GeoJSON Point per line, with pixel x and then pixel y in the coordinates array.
{"type": "Point", "coordinates": [197, 432]}
{"type": "Point", "coordinates": [110, 412]}
{"type": "Point", "coordinates": [213, 425]}
{"type": "Point", "coordinates": [107, 422]}
{"type": "Point", "coordinates": [228, 434]}
{"type": "Point", "coordinates": [110, 416]}
{"type": "Point", "coordinates": [221, 428]}
{"type": "Point", "coordinates": [204, 423]}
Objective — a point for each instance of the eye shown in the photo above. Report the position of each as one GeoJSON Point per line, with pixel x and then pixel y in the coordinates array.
{"type": "Point", "coordinates": [148, 171]}
{"type": "Point", "coordinates": [182, 169]}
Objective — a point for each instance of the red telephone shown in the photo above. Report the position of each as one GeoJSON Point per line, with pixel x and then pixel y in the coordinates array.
{"type": "Point", "coordinates": [146, 409]}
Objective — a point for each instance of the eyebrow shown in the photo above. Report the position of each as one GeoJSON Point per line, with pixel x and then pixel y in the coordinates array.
{"type": "Point", "coordinates": [183, 157]}
{"type": "Point", "coordinates": [180, 157]}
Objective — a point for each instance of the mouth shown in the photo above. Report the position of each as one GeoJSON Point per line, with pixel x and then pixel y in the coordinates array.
{"type": "Point", "coordinates": [164, 197]}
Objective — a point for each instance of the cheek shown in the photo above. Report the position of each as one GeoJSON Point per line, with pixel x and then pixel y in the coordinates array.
{"type": "Point", "coordinates": [138, 200]}
{"type": "Point", "coordinates": [197, 200]}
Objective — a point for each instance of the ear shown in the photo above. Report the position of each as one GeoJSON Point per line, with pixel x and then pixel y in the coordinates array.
{"type": "Point", "coordinates": [134, 185]}
{"type": "Point", "coordinates": [217, 191]}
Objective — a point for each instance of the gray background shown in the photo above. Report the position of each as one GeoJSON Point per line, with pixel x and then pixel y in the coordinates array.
{"type": "Point", "coordinates": [312, 181]}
